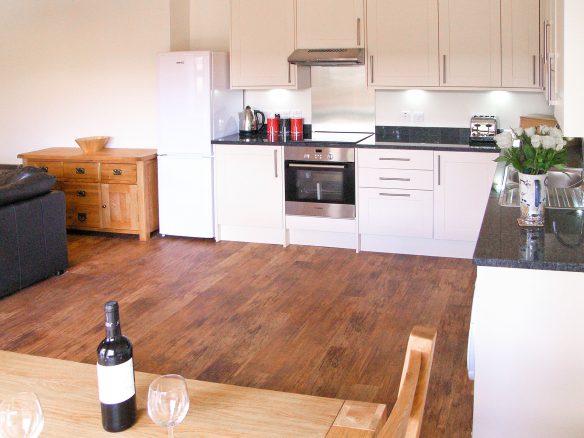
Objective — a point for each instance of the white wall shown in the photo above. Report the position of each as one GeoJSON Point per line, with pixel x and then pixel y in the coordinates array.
{"type": "Point", "coordinates": [210, 21]}
{"type": "Point", "coordinates": [454, 108]}
{"type": "Point", "coordinates": [280, 101]}
{"type": "Point", "coordinates": [76, 68]}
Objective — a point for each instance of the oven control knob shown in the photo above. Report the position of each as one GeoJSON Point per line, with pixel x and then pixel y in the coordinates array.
{"type": "Point", "coordinates": [307, 156]}
{"type": "Point", "coordinates": [330, 156]}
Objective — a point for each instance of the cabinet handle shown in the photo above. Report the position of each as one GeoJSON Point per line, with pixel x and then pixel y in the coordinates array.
{"type": "Point", "coordinates": [358, 31]}
{"type": "Point", "coordinates": [393, 159]}
{"type": "Point", "coordinates": [81, 217]}
{"type": "Point", "coordinates": [546, 25]}
{"type": "Point", "coordinates": [289, 74]}
{"type": "Point", "coordinates": [534, 59]}
{"type": "Point", "coordinates": [117, 172]}
{"type": "Point", "coordinates": [371, 63]}
{"type": "Point", "coordinates": [275, 163]}
{"type": "Point", "coordinates": [439, 170]}
{"type": "Point", "coordinates": [104, 206]}
{"type": "Point", "coordinates": [80, 170]}
{"type": "Point", "coordinates": [81, 193]}
{"type": "Point", "coordinates": [44, 168]}
{"type": "Point", "coordinates": [403, 195]}
{"type": "Point", "coordinates": [443, 69]}
{"type": "Point", "coordinates": [382, 178]}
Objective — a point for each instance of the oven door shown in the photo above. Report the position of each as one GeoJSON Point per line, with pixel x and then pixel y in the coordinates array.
{"type": "Point", "coordinates": [320, 189]}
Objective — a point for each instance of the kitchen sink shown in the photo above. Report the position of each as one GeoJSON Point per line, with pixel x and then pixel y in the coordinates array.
{"type": "Point", "coordinates": [564, 188]}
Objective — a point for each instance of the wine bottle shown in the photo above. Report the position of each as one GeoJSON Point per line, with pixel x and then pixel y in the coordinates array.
{"type": "Point", "coordinates": [115, 374]}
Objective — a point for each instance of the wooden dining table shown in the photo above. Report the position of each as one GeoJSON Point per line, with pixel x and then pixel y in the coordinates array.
{"type": "Point", "coordinates": [68, 395]}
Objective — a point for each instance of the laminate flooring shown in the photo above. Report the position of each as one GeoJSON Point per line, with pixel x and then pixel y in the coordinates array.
{"type": "Point", "coordinates": [310, 320]}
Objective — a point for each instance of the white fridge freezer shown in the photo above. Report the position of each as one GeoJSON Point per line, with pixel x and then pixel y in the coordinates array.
{"type": "Point", "coordinates": [195, 105]}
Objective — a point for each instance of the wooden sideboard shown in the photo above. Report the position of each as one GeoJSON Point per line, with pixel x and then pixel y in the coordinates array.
{"type": "Point", "coordinates": [68, 394]}
{"type": "Point", "coordinates": [113, 190]}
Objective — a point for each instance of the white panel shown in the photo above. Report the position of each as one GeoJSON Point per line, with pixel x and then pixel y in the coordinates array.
{"type": "Point", "coordinates": [184, 83]}
{"type": "Point", "coordinates": [185, 196]}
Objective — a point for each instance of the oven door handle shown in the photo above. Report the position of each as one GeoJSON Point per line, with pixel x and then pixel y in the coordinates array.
{"type": "Point", "coordinates": [319, 166]}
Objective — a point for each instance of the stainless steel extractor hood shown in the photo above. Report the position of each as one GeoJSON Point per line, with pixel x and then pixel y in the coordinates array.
{"type": "Point", "coordinates": [327, 57]}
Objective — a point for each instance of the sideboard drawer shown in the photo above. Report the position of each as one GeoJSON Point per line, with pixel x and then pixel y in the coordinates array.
{"type": "Point", "coordinates": [118, 173]}
{"type": "Point", "coordinates": [81, 171]}
{"type": "Point", "coordinates": [396, 159]}
{"type": "Point", "coordinates": [396, 178]}
{"type": "Point", "coordinates": [54, 168]}
{"type": "Point", "coordinates": [83, 216]}
{"type": "Point", "coordinates": [81, 193]}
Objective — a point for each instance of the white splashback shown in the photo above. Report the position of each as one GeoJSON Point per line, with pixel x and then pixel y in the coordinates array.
{"type": "Point", "coordinates": [454, 108]}
{"type": "Point", "coordinates": [278, 101]}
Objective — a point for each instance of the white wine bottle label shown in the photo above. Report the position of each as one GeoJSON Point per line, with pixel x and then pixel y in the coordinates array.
{"type": "Point", "coordinates": [115, 383]}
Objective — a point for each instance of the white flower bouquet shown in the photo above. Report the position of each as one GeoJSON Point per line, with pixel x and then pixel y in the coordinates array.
{"type": "Point", "coordinates": [539, 149]}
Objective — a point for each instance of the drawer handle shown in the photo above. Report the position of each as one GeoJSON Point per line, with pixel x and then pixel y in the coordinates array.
{"type": "Point", "coordinates": [81, 193]}
{"type": "Point", "coordinates": [403, 195]}
{"type": "Point", "coordinates": [80, 170]}
{"type": "Point", "coordinates": [44, 168]}
{"type": "Point", "coordinates": [104, 206]}
{"type": "Point", "coordinates": [81, 217]}
{"type": "Point", "coordinates": [394, 159]}
{"type": "Point", "coordinates": [117, 172]}
{"type": "Point", "coordinates": [382, 178]}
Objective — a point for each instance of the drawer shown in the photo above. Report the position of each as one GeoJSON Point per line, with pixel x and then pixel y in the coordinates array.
{"type": "Point", "coordinates": [54, 168]}
{"type": "Point", "coordinates": [81, 193]}
{"type": "Point", "coordinates": [81, 171]}
{"type": "Point", "coordinates": [118, 173]}
{"type": "Point", "coordinates": [396, 159]}
{"type": "Point", "coordinates": [83, 216]}
{"type": "Point", "coordinates": [399, 213]}
{"type": "Point", "coordinates": [396, 178]}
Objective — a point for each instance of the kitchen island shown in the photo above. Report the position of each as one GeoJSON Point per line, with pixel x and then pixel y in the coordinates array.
{"type": "Point", "coordinates": [526, 352]}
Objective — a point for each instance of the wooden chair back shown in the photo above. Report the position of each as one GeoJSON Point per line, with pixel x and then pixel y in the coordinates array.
{"type": "Point", "coordinates": [406, 416]}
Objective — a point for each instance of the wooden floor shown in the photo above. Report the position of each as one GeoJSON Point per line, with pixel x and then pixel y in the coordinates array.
{"type": "Point", "coordinates": [319, 321]}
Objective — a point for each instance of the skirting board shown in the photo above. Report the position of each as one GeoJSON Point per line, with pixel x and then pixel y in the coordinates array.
{"type": "Point", "coordinates": [322, 238]}
{"type": "Point", "coordinates": [414, 246]}
{"type": "Point", "coordinates": [250, 234]}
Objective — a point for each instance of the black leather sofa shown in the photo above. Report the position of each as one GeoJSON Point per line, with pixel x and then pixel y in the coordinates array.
{"type": "Point", "coordinates": [33, 239]}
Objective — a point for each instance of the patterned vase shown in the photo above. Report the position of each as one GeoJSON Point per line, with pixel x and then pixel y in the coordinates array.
{"type": "Point", "coordinates": [532, 200]}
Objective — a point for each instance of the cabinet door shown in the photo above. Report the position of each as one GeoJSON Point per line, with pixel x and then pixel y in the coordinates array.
{"type": "Point", "coordinates": [249, 186]}
{"type": "Point", "coordinates": [462, 183]}
{"type": "Point", "coordinates": [520, 43]}
{"type": "Point", "coordinates": [470, 43]}
{"type": "Point", "coordinates": [329, 24]}
{"type": "Point", "coordinates": [402, 40]}
{"type": "Point", "coordinates": [120, 206]}
{"type": "Point", "coordinates": [392, 212]}
{"type": "Point", "coordinates": [262, 38]}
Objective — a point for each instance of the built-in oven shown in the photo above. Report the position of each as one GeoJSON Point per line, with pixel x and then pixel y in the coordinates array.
{"type": "Point", "coordinates": [320, 181]}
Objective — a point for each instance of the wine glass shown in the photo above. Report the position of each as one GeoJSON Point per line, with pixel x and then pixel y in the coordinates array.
{"type": "Point", "coordinates": [21, 416]}
{"type": "Point", "coordinates": [168, 401]}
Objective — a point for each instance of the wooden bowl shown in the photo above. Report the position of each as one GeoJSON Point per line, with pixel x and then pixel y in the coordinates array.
{"type": "Point", "coordinates": [91, 145]}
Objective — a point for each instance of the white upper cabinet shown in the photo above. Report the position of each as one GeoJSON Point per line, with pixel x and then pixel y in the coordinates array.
{"type": "Point", "coordinates": [470, 43]}
{"type": "Point", "coordinates": [520, 44]}
{"type": "Point", "coordinates": [262, 38]}
{"type": "Point", "coordinates": [330, 24]}
{"type": "Point", "coordinates": [402, 42]}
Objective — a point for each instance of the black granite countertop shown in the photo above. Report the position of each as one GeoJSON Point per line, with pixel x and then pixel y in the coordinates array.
{"type": "Point", "coordinates": [557, 246]}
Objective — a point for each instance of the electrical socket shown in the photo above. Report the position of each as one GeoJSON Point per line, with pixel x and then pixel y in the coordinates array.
{"type": "Point", "coordinates": [405, 116]}
{"type": "Point", "coordinates": [418, 116]}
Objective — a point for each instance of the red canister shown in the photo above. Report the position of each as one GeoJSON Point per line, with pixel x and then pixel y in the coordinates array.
{"type": "Point", "coordinates": [273, 126]}
{"type": "Point", "coordinates": [296, 125]}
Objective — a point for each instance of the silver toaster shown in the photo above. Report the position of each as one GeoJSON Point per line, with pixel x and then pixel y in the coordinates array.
{"type": "Point", "coordinates": [483, 128]}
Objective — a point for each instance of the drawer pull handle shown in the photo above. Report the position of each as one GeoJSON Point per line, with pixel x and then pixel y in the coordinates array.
{"type": "Point", "coordinates": [80, 170]}
{"type": "Point", "coordinates": [104, 206]}
{"type": "Point", "coordinates": [81, 193]}
{"type": "Point", "coordinates": [81, 217]}
{"type": "Point", "coordinates": [403, 195]}
{"type": "Point", "coordinates": [117, 172]}
{"type": "Point", "coordinates": [394, 159]}
{"type": "Point", "coordinates": [382, 178]}
{"type": "Point", "coordinates": [44, 168]}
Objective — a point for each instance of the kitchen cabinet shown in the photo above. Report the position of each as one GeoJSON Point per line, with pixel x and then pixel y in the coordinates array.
{"type": "Point", "coordinates": [520, 40]}
{"type": "Point", "coordinates": [462, 182]}
{"type": "Point", "coordinates": [470, 43]}
{"type": "Point", "coordinates": [113, 190]}
{"type": "Point", "coordinates": [262, 37]}
{"type": "Point", "coordinates": [330, 24]}
{"type": "Point", "coordinates": [249, 191]}
{"type": "Point", "coordinates": [402, 43]}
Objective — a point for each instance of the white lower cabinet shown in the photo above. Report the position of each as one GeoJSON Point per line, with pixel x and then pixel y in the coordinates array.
{"type": "Point", "coordinates": [249, 193]}
{"type": "Point", "coordinates": [391, 212]}
{"type": "Point", "coordinates": [462, 182]}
